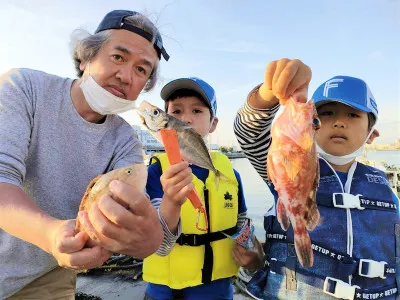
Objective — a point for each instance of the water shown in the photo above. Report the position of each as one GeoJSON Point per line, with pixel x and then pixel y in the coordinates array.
{"type": "Point", "coordinates": [390, 157]}
{"type": "Point", "coordinates": [258, 197]}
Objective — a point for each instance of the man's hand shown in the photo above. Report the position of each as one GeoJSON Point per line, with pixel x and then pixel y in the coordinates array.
{"type": "Point", "coordinates": [135, 231]}
{"type": "Point", "coordinates": [69, 249]}
{"type": "Point", "coordinates": [284, 78]}
{"type": "Point", "coordinates": [252, 258]}
{"type": "Point", "coordinates": [177, 184]}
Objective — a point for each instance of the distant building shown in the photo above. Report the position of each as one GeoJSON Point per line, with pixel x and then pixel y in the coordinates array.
{"type": "Point", "coordinates": [383, 147]}
{"type": "Point", "coordinates": [149, 142]}
{"type": "Point", "coordinates": [397, 143]}
{"type": "Point", "coordinates": [213, 146]}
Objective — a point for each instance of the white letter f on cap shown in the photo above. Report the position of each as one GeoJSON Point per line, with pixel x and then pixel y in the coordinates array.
{"type": "Point", "coordinates": [333, 83]}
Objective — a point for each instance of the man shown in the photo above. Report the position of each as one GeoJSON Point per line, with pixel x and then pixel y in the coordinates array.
{"type": "Point", "coordinates": [56, 135]}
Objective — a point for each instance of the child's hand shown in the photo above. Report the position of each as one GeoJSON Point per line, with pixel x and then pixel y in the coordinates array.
{"type": "Point", "coordinates": [177, 183]}
{"type": "Point", "coordinates": [252, 258]}
{"type": "Point", "coordinates": [285, 78]}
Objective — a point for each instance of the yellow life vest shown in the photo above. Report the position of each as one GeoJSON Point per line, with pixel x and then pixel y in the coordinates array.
{"type": "Point", "coordinates": [188, 265]}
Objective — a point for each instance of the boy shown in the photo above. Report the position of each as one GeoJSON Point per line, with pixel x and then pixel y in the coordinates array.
{"type": "Point", "coordinates": [357, 241]}
{"type": "Point", "coordinates": [200, 265]}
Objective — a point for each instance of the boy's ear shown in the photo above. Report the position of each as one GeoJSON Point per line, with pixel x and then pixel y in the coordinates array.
{"type": "Point", "coordinates": [373, 135]}
{"type": "Point", "coordinates": [213, 125]}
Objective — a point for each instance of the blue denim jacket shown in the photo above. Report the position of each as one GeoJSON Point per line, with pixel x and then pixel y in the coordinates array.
{"type": "Point", "coordinates": [343, 237]}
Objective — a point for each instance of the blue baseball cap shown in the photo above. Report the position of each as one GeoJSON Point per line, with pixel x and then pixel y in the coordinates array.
{"type": "Point", "coordinates": [348, 90]}
{"type": "Point", "coordinates": [194, 84]}
{"type": "Point", "coordinates": [115, 20]}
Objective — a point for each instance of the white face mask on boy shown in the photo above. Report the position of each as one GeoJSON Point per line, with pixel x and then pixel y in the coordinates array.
{"type": "Point", "coordinates": [205, 138]}
{"type": "Point", "coordinates": [344, 159]}
{"type": "Point", "coordinates": [101, 100]}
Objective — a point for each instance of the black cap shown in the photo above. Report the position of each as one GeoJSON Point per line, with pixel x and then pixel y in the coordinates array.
{"type": "Point", "coordinates": [115, 20]}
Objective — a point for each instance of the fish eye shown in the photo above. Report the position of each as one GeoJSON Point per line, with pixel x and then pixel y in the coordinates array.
{"type": "Point", "coordinates": [316, 123]}
{"type": "Point", "coordinates": [156, 112]}
{"type": "Point", "coordinates": [129, 171]}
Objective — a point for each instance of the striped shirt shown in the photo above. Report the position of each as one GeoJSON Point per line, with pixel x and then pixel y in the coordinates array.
{"type": "Point", "coordinates": [252, 128]}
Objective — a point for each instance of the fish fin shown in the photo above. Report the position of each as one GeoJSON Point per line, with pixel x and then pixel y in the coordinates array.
{"type": "Point", "coordinates": [84, 205]}
{"type": "Point", "coordinates": [184, 127]}
{"type": "Point", "coordinates": [217, 178]}
{"type": "Point", "coordinates": [317, 177]}
{"type": "Point", "coordinates": [292, 167]}
{"type": "Point", "coordinates": [220, 176]}
{"type": "Point", "coordinates": [282, 215]}
{"type": "Point", "coordinates": [312, 216]}
{"type": "Point", "coordinates": [302, 244]}
{"type": "Point", "coordinates": [270, 171]}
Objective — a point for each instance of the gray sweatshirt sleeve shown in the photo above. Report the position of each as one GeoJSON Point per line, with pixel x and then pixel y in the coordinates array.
{"type": "Point", "coordinates": [129, 151]}
{"type": "Point", "coordinates": [252, 128]}
{"type": "Point", "coordinates": [16, 118]}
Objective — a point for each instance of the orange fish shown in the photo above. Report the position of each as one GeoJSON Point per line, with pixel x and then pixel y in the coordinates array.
{"type": "Point", "coordinates": [293, 168]}
{"type": "Point", "coordinates": [134, 175]}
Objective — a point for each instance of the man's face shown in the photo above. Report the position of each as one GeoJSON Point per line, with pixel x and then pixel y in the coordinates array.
{"type": "Point", "coordinates": [343, 128]}
{"type": "Point", "coordinates": [193, 111]}
{"type": "Point", "coordinates": [123, 65]}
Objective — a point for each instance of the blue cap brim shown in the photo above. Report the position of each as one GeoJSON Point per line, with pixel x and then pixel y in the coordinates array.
{"type": "Point", "coordinates": [353, 105]}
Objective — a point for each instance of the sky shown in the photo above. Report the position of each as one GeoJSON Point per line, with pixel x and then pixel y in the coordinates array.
{"type": "Point", "coordinates": [228, 44]}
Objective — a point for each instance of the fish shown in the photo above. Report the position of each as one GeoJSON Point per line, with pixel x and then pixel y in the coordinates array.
{"type": "Point", "coordinates": [293, 168]}
{"type": "Point", "coordinates": [134, 175]}
{"type": "Point", "coordinates": [191, 144]}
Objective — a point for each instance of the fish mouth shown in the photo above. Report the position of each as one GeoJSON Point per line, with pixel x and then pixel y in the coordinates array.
{"type": "Point", "coordinates": [116, 91]}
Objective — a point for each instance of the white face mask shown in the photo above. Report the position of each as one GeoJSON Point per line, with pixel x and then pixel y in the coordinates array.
{"type": "Point", "coordinates": [344, 159]}
{"type": "Point", "coordinates": [205, 138]}
{"type": "Point", "coordinates": [101, 100]}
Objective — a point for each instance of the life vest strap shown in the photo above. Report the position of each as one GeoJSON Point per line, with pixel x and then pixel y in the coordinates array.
{"type": "Point", "coordinates": [195, 240]}
{"type": "Point", "coordinates": [332, 286]}
{"type": "Point", "coordinates": [348, 265]}
{"type": "Point", "coordinates": [346, 200]}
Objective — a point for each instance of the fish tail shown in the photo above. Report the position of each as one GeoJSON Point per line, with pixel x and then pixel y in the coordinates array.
{"type": "Point", "coordinates": [282, 216]}
{"type": "Point", "coordinates": [302, 244]}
